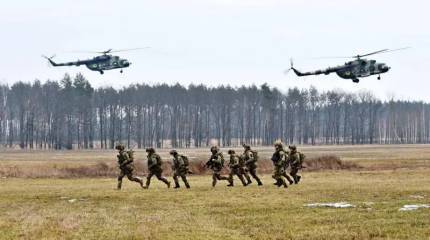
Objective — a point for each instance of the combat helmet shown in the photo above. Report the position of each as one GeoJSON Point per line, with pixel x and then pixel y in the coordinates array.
{"type": "Point", "coordinates": [214, 149]}
{"type": "Point", "coordinates": [173, 152]}
{"type": "Point", "coordinates": [119, 147]}
{"type": "Point", "coordinates": [278, 144]}
{"type": "Point", "coordinates": [150, 150]}
{"type": "Point", "coordinates": [231, 151]}
{"type": "Point", "coordinates": [292, 147]}
{"type": "Point", "coordinates": [246, 146]}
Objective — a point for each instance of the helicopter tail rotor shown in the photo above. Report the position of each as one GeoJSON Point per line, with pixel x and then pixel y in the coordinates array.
{"type": "Point", "coordinates": [291, 67]}
{"type": "Point", "coordinates": [50, 60]}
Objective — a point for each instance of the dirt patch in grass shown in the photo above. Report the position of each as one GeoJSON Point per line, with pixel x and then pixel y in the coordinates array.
{"type": "Point", "coordinates": [329, 162]}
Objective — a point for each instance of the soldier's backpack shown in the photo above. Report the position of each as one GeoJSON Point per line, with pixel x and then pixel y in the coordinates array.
{"type": "Point", "coordinates": [130, 154]}
{"type": "Point", "coordinates": [301, 158]}
{"type": "Point", "coordinates": [222, 159]}
{"type": "Point", "coordinates": [186, 161]}
{"type": "Point", "coordinates": [255, 155]}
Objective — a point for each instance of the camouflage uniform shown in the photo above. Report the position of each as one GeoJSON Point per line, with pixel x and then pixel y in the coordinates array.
{"type": "Point", "coordinates": [180, 168]}
{"type": "Point", "coordinates": [235, 168]}
{"type": "Point", "coordinates": [154, 167]}
{"type": "Point", "coordinates": [216, 164]}
{"type": "Point", "coordinates": [251, 164]}
{"type": "Point", "coordinates": [295, 164]}
{"type": "Point", "coordinates": [126, 167]}
{"type": "Point", "coordinates": [279, 159]}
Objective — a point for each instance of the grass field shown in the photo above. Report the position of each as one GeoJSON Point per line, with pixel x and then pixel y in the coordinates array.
{"type": "Point", "coordinates": [91, 208]}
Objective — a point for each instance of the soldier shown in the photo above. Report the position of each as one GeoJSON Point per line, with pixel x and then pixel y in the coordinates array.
{"type": "Point", "coordinates": [216, 163]}
{"type": "Point", "coordinates": [180, 168]}
{"type": "Point", "coordinates": [235, 168]}
{"type": "Point", "coordinates": [126, 166]}
{"type": "Point", "coordinates": [295, 162]}
{"type": "Point", "coordinates": [251, 158]}
{"type": "Point", "coordinates": [154, 167]}
{"type": "Point", "coordinates": [279, 159]}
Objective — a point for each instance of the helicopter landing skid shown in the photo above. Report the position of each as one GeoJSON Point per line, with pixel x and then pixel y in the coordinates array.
{"type": "Point", "coordinates": [355, 80]}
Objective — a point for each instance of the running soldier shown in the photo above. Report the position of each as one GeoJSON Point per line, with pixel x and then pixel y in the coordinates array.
{"type": "Point", "coordinates": [251, 158]}
{"type": "Point", "coordinates": [180, 168]}
{"type": "Point", "coordinates": [279, 159]}
{"type": "Point", "coordinates": [216, 163]}
{"type": "Point", "coordinates": [126, 166]}
{"type": "Point", "coordinates": [154, 167]}
{"type": "Point", "coordinates": [295, 161]}
{"type": "Point", "coordinates": [235, 168]}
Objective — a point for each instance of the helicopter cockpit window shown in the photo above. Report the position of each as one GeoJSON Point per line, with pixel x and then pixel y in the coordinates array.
{"type": "Point", "coordinates": [372, 61]}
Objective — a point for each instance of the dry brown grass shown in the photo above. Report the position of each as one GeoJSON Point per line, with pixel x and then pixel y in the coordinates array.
{"type": "Point", "coordinates": [102, 163]}
{"type": "Point", "coordinates": [103, 169]}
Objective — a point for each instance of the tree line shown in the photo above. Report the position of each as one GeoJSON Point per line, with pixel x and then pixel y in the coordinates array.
{"type": "Point", "coordinates": [71, 114]}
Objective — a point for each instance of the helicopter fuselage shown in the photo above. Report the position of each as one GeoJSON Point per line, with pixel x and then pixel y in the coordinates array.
{"type": "Point", "coordinates": [99, 63]}
{"type": "Point", "coordinates": [354, 70]}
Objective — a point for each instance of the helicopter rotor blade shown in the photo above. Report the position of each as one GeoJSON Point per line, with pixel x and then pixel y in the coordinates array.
{"type": "Point", "coordinates": [363, 55]}
{"type": "Point", "coordinates": [372, 53]}
{"type": "Point", "coordinates": [110, 50]}
{"type": "Point", "coordinates": [126, 50]}
{"type": "Point", "coordinates": [382, 51]}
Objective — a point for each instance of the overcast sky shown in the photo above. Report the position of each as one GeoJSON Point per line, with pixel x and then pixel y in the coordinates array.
{"type": "Point", "coordinates": [236, 42]}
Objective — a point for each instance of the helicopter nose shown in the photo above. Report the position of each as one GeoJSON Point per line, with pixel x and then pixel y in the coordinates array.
{"type": "Point", "coordinates": [385, 68]}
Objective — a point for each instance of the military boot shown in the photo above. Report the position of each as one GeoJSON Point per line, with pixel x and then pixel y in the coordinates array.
{"type": "Point", "coordinates": [187, 185]}
{"type": "Point", "coordinates": [230, 182]}
{"type": "Point", "coordinates": [177, 184]}
{"type": "Point", "coordinates": [298, 178]}
{"type": "Point", "coordinates": [141, 183]}
{"type": "Point", "coordinates": [118, 187]}
{"type": "Point", "coordinates": [284, 183]}
{"type": "Point", "coordinates": [148, 182]}
{"type": "Point", "coordinates": [259, 182]}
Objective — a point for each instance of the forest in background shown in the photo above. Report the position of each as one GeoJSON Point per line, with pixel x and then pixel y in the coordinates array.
{"type": "Point", "coordinates": [71, 114]}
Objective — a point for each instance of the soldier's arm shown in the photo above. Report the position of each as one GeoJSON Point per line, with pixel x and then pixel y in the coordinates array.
{"type": "Point", "coordinates": [127, 160]}
{"type": "Point", "coordinates": [295, 159]}
{"type": "Point", "coordinates": [153, 163]}
{"type": "Point", "coordinates": [250, 158]}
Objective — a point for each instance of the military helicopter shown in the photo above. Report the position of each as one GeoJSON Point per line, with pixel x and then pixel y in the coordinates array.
{"type": "Point", "coordinates": [99, 63]}
{"type": "Point", "coordinates": [353, 70]}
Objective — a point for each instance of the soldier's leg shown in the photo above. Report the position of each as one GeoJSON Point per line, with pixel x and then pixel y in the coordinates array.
{"type": "Point", "coordinates": [120, 177]}
{"type": "Point", "coordinates": [148, 179]}
{"type": "Point", "coordinates": [241, 178]}
{"type": "Point", "coordinates": [253, 173]}
{"type": "Point", "coordinates": [214, 179]}
{"type": "Point", "coordinates": [248, 179]}
{"type": "Point", "coordinates": [287, 177]}
{"type": "Point", "coordinates": [230, 178]}
{"type": "Point", "coordinates": [279, 179]}
{"type": "Point", "coordinates": [293, 173]}
{"type": "Point", "coordinates": [161, 178]}
{"type": "Point", "coordinates": [184, 179]}
{"type": "Point", "coordinates": [133, 178]}
{"type": "Point", "coordinates": [175, 179]}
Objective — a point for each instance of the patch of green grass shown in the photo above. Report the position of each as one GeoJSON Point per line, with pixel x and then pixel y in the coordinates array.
{"type": "Point", "coordinates": [41, 208]}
